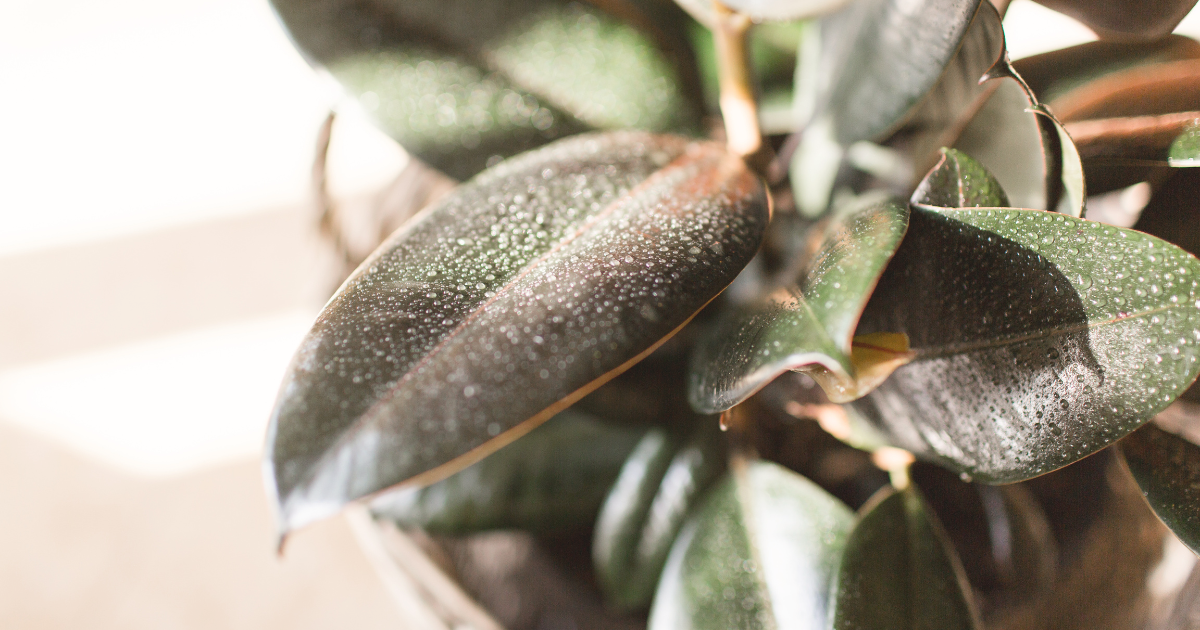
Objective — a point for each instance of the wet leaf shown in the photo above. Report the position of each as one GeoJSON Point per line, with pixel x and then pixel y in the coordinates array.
{"type": "Point", "coordinates": [811, 322]}
{"type": "Point", "coordinates": [958, 181]}
{"type": "Point", "coordinates": [759, 553]}
{"type": "Point", "coordinates": [1185, 148]}
{"type": "Point", "coordinates": [658, 485]}
{"type": "Point", "coordinates": [1121, 20]}
{"type": "Point", "coordinates": [899, 571]}
{"type": "Point", "coordinates": [874, 76]}
{"type": "Point", "coordinates": [516, 295]}
{"type": "Point", "coordinates": [555, 479]}
{"type": "Point", "coordinates": [1038, 338]}
{"type": "Point", "coordinates": [461, 83]}
{"type": "Point", "coordinates": [1167, 467]}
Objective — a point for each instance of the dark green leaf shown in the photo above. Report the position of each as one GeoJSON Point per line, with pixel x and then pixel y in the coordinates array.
{"type": "Point", "coordinates": [1123, 20]}
{"type": "Point", "coordinates": [458, 82]}
{"type": "Point", "coordinates": [958, 181]}
{"type": "Point", "coordinates": [1167, 467]}
{"type": "Point", "coordinates": [810, 323]}
{"type": "Point", "coordinates": [759, 553]}
{"type": "Point", "coordinates": [884, 65]}
{"type": "Point", "coordinates": [1038, 338]}
{"type": "Point", "coordinates": [657, 487]}
{"type": "Point", "coordinates": [1185, 148]}
{"type": "Point", "coordinates": [555, 479]}
{"type": "Point", "coordinates": [899, 572]}
{"type": "Point", "coordinates": [513, 297]}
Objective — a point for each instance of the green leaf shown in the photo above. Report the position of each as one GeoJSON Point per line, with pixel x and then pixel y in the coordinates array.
{"type": "Point", "coordinates": [460, 82]}
{"type": "Point", "coordinates": [759, 553]}
{"type": "Point", "coordinates": [811, 322]}
{"type": "Point", "coordinates": [958, 181]}
{"type": "Point", "coordinates": [1121, 20]}
{"type": "Point", "coordinates": [1185, 148]}
{"type": "Point", "coordinates": [555, 479]}
{"type": "Point", "coordinates": [1038, 338]}
{"type": "Point", "coordinates": [899, 572]}
{"type": "Point", "coordinates": [876, 73]}
{"type": "Point", "coordinates": [659, 483]}
{"type": "Point", "coordinates": [515, 296]}
{"type": "Point", "coordinates": [1028, 150]}
{"type": "Point", "coordinates": [1167, 467]}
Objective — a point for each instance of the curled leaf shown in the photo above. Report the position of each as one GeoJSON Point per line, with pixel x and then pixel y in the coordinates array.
{"type": "Point", "coordinates": [555, 479]}
{"type": "Point", "coordinates": [759, 553]}
{"type": "Point", "coordinates": [658, 485]}
{"type": "Point", "coordinates": [810, 324]}
{"type": "Point", "coordinates": [1037, 338]}
{"type": "Point", "coordinates": [899, 571]}
{"type": "Point", "coordinates": [515, 296]}
{"type": "Point", "coordinates": [876, 75]}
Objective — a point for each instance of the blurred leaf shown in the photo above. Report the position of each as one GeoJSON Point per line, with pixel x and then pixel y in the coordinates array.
{"type": "Point", "coordinates": [1167, 467]}
{"type": "Point", "coordinates": [460, 81]}
{"type": "Point", "coordinates": [510, 299]}
{"type": "Point", "coordinates": [809, 324]}
{"type": "Point", "coordinates": [878, 69]}
{"type": "Point", "coordinates": [1123, 20]}
{"type": "Point", "coordinates": [1053, 74]}
{"type": "Point", "coordinates": [555, 479]}
{"type": "Point", "coordinates": [1171, 213]}
{"type": "Point", "coordinates": [1038, 338]}
{"type": "Point", "coordinates": [958, 181]}
{"type": "Point", "coordinates": [899, 572]}
{"type": "Point", "coordinates": [763, 10]}
{"type": "Point", "coordinates": [1185, 148]}
{"type": "Point", "coordinates": [759, 553]}
{"type": "Point", "coordinates": [643, 513]}
{"type": "Point", "coordinates": [1136, 139]}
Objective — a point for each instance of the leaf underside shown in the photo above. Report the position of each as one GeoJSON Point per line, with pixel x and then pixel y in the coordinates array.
{"type": "Point", "coordinates": [519, 293]}
{"type": "Point", "coordinates": [809, 323]}
{"type": "Point", "coordinates": [1038, 338]}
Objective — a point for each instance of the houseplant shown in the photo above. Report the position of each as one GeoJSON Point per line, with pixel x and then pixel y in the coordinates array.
{"type": "Point", "coordinates": [906, 263]}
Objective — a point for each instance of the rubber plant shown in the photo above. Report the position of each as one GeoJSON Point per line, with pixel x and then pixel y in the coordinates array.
{"type": "Point", "coordinates": [860, 353]}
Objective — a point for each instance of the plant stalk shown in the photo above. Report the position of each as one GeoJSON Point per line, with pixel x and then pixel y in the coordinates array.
{"type": "Point", "coordinates": [739, 107]}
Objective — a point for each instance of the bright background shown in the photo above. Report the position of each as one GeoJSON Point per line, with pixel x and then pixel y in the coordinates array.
{"type": "Point", "coordinates": [158, 265]}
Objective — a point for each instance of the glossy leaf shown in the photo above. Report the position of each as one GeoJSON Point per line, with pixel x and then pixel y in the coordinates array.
{"type": "Point", "coordinates": [1053, 74]}
{"type": "Point", "coordinates": [1167, 467]}
{"type": "Point", "coordinates": [958, 181]}
{"type": "Point", "coordinates": [899, 571]}
{"type": "Point", "coordinates": [516, 295]}
{"type": "Point", "coordinates": [554, 479]}
{"type": "Point", "coordinates": [1038, 338]}
{"type": "Point", "coordinates": [876, 72]}
{"type": "Point", "coordinates": [759, 553]}
{"type": "Point", "coordinates": [1122, 20]}
{"type": "Point", "coordinates": [809, 324]}
{"type": "Point", "coordinates": [1185, 148]}
{"type": "Point", "coordinates": [1031, 154]}
{"type": "Point", "coordinates": [657, 487]}
{"type": "Point", "coordinates": [461, 83]}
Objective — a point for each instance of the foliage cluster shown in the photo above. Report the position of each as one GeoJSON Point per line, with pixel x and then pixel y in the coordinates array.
{"type": "Point", "coordinates": [840, 365]}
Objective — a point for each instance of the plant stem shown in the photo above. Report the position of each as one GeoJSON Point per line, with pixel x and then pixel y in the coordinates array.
{"type": "Point", "coordinates": [738, 105]}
